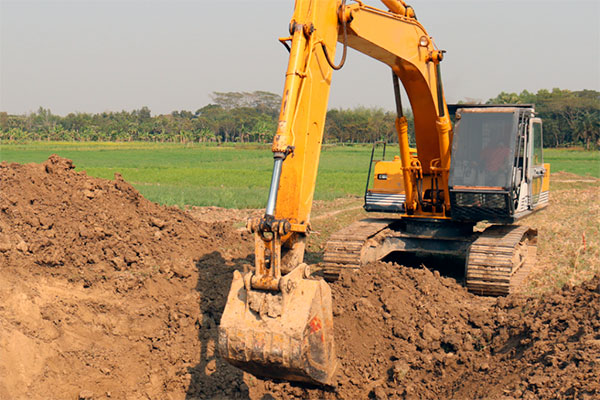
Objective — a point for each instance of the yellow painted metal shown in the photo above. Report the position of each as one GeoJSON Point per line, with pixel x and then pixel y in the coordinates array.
{"type": "Point", "coordinates": [444, 128]}
{"type": "Point", "coordinates": [281, 325]}
{"type": "Point", "coordinates": [394, 179]}
{"type": "Point", "coordinates": [299, 228]}
{"type": "Point", "coordinates": [390, 37]}
{"type": "Point", "coordinates": [402, 130]}
{"type": "Point", "coordinates": [546, 179]}
{"type": "Point", "coordinates": [399, 7]}
{"type": "Point", "coordinates": [304, 105]}
{"type": "Point", "coordinates": [395, 41]}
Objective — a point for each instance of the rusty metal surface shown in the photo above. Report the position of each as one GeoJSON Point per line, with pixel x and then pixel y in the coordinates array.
{"type": "Point", "coordinates": [284, 335]}
{"type": "Point", "coordinates": [500, 259]}
{"type": "Point", "coordinates": [265, 282]}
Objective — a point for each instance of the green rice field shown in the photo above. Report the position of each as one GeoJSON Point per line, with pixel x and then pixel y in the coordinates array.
{"type": "Point", "coordinates": [232, 176]}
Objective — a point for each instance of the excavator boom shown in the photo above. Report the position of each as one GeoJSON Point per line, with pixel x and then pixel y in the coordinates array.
{"type": "Point", "coordinates": [278, 319]}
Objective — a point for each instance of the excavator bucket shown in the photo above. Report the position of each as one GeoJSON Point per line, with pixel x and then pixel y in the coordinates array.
{"type": "Point", "coordinates": [284, 334]}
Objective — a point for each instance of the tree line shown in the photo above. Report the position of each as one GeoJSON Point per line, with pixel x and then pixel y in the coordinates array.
{"type": "Point", "coordinates": [570, 118]}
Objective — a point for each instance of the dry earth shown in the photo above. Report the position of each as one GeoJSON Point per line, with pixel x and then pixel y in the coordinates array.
{"type": "Point", "coordinates": [105, 295]}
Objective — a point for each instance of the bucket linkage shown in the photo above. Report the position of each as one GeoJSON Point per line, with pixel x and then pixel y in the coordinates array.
{"type": "Point", "coordinates": [278, 326]}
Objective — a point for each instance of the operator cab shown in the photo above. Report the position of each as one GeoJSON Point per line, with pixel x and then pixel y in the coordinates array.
{"type": "Point", "coordinates": [497, 171]}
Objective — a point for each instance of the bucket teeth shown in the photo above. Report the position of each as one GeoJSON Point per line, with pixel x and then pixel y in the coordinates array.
{"type": "Point", "coordinates": [294, 341]}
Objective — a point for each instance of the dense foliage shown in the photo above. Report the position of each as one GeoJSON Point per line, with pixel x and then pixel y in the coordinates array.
{"type": "Point", "coordinates": [570, 117]}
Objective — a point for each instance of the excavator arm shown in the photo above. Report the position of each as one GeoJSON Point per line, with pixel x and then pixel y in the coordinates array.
{"type": "Point", "coordinates": [278, 320]}
{"type": "Point", "coordinates": [394, 38]}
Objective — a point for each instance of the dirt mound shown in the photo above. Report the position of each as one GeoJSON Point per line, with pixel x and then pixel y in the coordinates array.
{"type": "Point", "coordinates": [104, 294]}
{"type": "Point", "coordinates": [546, 347]}
{"type": "Point", "coordinates": [409, 333]}
{"type": "Point", "coordinates": [55, 217]}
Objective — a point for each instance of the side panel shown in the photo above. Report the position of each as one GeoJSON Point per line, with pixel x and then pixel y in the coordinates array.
{"type": "Point", "coordinates": [545, 194]}
{"type": "Point", "coordinates": [387, 193]}
{"type": "Point", "coordinates": [388, 177]}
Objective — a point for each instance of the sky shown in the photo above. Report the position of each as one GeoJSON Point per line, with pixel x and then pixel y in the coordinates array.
{"type": "Point", "coordinates": [95, 56]}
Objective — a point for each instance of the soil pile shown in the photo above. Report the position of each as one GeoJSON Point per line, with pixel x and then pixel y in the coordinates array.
{"type": "Point", "coordinates": [543, 347]}
{"type": "Point", "coordinates": [53, 216]}
{"type": "Point", "coordinates": [409, 333]}
{"type": "Point", "coordinates": [104, 294]}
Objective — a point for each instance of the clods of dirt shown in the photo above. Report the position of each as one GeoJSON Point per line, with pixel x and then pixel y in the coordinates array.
{"type": "Point", "coordinates": [411, 333]}
{"type": "Point", "coordinates": [55, 217]}
{"type": "Point", "coordinates": [106, 295]}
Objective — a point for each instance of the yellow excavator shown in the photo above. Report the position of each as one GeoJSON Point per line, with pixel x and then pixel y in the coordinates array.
{"type": "Point", "coordinates": [278, 320]}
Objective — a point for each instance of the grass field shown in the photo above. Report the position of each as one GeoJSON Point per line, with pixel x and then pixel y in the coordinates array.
{"type": "Point", "coordinates": [227, 176]}
{"type": "Point", "coordinates": [574, 161]}
{"type": "Point", "coordinates": [234, 176]}
{"type": "Point", "coordinates": [237, 176]}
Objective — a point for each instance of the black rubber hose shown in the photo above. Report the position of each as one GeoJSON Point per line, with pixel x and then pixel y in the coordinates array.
{"type": "Point", "coordinates": [397, 97]}
{"type": "Point", "coordinates": [345, 33]}
{"type": "Point", "coordinates": [440, 90]}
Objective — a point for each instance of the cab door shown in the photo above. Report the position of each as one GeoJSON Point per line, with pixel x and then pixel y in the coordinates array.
{"type": "Point", "coordinates": [535, 170]}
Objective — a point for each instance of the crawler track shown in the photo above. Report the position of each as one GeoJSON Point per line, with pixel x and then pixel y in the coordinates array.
{"type": "Point", "coordinates": [348, 247]}
{"type": "Point", "coordinates": [500, 259]}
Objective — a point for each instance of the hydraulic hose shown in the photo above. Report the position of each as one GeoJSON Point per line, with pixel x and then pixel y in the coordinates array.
{"type": "Point", "coordinates": [345, 33]}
